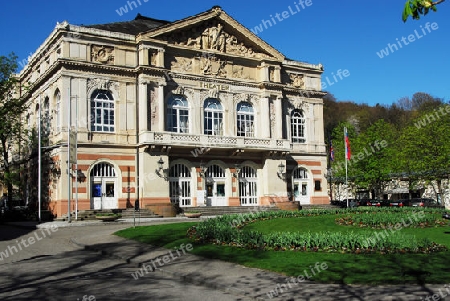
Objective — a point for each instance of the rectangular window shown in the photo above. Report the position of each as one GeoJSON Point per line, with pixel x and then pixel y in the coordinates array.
{"type": "Point", "coordinates": [317, 185]}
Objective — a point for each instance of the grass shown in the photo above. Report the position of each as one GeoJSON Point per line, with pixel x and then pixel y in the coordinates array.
{"type": "Point", "coordinates": [342, 268]}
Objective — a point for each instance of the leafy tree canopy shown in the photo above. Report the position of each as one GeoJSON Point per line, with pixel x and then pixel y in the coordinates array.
{"type": "Point", "coordinates": [416, 8]}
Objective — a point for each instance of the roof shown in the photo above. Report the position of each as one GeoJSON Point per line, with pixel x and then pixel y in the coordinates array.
{"type": "Point", "coordinates": [138, 25]}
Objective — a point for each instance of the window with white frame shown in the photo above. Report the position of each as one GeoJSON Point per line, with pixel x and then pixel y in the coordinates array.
{"type": "Point", "coordinates": [245, 119]}
{"type": "Point", "coordinates": [297, 126]}
{"type": "Point", "coordinates": [58, 110]}
{"type": "Point", "coordinates": [213, 117]}
{"type": "Point", "coordinates": [102, 111]}
{"type": "Point", "coordinates": [177, 114]}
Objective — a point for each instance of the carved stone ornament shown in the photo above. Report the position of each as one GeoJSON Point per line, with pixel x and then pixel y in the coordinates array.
{"type": "Point", "coordinates": [237, 98]}
{"type": "Point", "coordinates": [182, 64]}
{"type": "Point", "coordinates": [272, 115]}
{"type": "Point", "coordinates": [101, 84]}
{"type": "Point", "coordinates": [297, 80]}
{"type": "Point", "coordinates": [179, 90]}
{"type": "Point", "coordinates": [213, 93]}
{"type": "Point", "coordinates": [102, 54]}
{"type": "Point", "coordinates": [211, 36]}
{"type": "Point", "coordinates": [212, 65]}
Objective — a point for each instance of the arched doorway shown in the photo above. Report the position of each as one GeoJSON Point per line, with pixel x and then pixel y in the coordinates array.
{"type": "Point", "coordinates": [301, 186]}
{"type": "Point", "coordinates": [247, 186]}
{"type": "Point", "coordinates": [215, 186]}
{"type": "Point", "coordinates": [103, 186]}
{"type": "Point", "coordinates": [180, 185]}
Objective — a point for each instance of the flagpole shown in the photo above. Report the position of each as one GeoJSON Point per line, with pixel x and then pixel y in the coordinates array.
{"type": "Point", "coordinates": [346, 156]}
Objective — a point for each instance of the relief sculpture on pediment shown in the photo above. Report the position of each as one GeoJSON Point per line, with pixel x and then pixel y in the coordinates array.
{"type": "Point", "coordinates": [212, 36]}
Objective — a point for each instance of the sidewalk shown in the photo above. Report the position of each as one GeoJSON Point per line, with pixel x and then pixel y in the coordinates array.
{"type": "Point", "coordinates": [247, 283]}
{"type": "Point", "coordinates": [244, 283]}
{"type": "Point", "coordinates": [121, 221]}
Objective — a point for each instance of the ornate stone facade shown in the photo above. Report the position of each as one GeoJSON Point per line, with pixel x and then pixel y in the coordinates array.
{"type": "Point", "coordinates": [169, 105]}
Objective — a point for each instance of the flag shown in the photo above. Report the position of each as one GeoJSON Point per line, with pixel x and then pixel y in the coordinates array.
{"type": "Point", "coordinates": [331, 151]}
{"type": "Point", "coordinates": [348, 152]}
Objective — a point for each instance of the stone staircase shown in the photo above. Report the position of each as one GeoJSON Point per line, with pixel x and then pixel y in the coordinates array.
{"type": "Point", "coordinates": [85, 215]}
{"type": "Point", "coordinates": [142, 213]}
{"type": "Point", "coordinates": [221, 210]}
{"type": "Point", "coordinates": [320, 206]}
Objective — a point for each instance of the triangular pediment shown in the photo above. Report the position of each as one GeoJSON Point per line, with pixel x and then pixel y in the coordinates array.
{"type": "Point", "coordinates": [214, 31]}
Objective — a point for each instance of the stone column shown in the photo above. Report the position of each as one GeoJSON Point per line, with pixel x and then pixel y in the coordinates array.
{"type": "Point", "coordinates": [161, 107]}
{"type": "Point", "coordinates": [278, 118]}
{"type": "Point", "coordinates": [143, 103]}
{"type": "Point", "coordinates": [265, 118]}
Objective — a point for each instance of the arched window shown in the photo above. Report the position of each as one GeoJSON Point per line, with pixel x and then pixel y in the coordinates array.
{"type": "Point", "coordinates": [300, 173]}
{"type": "Point", "coordinates": [58, 110]}
{"type": "Point", "coordinates": [297, 126]}
{"type": "Point", "coordinates": [245, 118]}
{"type": "Point", "coordinates": [177, 114]}
{"type": "Point", "coordinates": [213, 121]}
{"type": "Point", "coordinates": [102, 111]}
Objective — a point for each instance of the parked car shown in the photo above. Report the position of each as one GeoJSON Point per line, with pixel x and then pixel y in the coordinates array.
{"type": "Point", "coordinates": [377, 203]}
{"type": "Point", "coordinates": [400, 203]}
{"type": "Point", "coordinates": [363, 202]}
{"type": "Point", "coordinates": [352, 203]}
{"type": "Point", "coordinates": [424, 202]}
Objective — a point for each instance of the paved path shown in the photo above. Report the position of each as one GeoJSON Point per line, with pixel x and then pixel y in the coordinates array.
{"type": "Point", "coordinates": [75, 262]}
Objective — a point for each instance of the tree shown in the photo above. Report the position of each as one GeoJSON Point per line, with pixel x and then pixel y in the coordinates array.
{"type": "Point", "coordinates": [424, 148]}
{"type": "Point", "coordinates": [416, 8]}
{"type": "Point", "coordinates": [372, 156]}
{"type": "Point", "coordinates": [11, 129]}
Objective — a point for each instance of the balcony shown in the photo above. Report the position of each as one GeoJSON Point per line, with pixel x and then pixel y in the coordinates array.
{"type": "Point", "coordinates": [191, 140]}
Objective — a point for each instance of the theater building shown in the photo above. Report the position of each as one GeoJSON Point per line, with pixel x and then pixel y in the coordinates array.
{"type": "Point", "coordinates": [199, 112]}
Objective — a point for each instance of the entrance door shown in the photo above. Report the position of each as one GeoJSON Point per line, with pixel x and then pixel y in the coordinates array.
{"type": "Point", "coordinates": [247, 186]}
{"type": "Point", "coordinates": [215, 194]}
{"type": "Point", "coordinates": [180, 185]}
{"type": "Point", "coordinates": [103, 193]}
{"type": "Point", "coordinates": [104, 187]}
{"type": "Point", "coordinates": [301, 186]}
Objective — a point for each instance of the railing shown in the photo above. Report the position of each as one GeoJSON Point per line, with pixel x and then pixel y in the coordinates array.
{"type": "Point", "coordinates": [211, 141]}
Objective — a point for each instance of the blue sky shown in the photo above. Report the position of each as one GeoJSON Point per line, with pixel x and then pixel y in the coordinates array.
{"type": "Point", "coordinates": [344, 35]}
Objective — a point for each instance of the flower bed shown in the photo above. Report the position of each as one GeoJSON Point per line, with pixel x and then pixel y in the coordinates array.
{"type": "Point", "coordinates": [229, 230]}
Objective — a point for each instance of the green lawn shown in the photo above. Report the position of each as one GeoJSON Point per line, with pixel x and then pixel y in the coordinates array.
{"type": "Point", "coordinates": [342, 268]}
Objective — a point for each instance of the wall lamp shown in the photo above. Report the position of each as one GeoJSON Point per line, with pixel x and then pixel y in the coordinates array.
{"type": "Point", "coordinates": [81, 177]}
{"type": "Point", "coordinates": [237, 170]}
{"type": "Point", "coordinates": [281, 174]}
{"type": "Point", "coordinates": [202, 170]}
{"type": "Point", "coordinates": [161, 172]}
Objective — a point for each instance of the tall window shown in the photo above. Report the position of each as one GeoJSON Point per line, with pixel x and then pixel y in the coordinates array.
{"type": "Point", "coordinates": [245, 117]}
{"type": "Point", "coordinates": [297, 126]}
{"type": "Point", "coordinates": [58, 110]}
{"type": "Point", "coordinates": [177, 114]}
{"type": "Point", "coordinates": [213, 122]}
{"type": "Point", "coordinates": [102, 111]}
